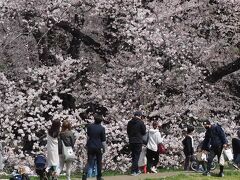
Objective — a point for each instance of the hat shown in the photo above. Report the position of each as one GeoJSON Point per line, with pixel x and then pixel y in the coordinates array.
{"type": "Point", "coordinates": [206, 122]}
{"type": "Point", "coordinates": [138, 113]}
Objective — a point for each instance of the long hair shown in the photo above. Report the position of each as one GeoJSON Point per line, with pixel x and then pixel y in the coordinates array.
{"type": "Point", "coordinates": [66, 125]}
{"type": "Point", "coordinates": [54, 129]}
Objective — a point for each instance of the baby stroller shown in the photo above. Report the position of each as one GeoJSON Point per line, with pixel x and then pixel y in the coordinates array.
{"type": "Point", "coordinates": [40, 162]}
{"type": "Point", "coordinates": [198, 161]}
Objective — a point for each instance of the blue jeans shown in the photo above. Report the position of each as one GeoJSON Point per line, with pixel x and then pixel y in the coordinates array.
{"type": "Point", "coordinates": [92, 169]}
{"type": "Point", "coordinates": [94, 154]}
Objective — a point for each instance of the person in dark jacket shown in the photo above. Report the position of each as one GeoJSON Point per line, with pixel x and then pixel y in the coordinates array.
{"type": "Point", "coordinates": [216, 139]}
{"type": "Point", "coordinates": [188, 147]}
{"type": "Point", "coordinates": [96, 145]}
{"type": "Point", "coordinates": [136, 130]}
{"type": "Point", "coordinates": [1, 155]}
{"type": "Point", "coordinates": [236, 150]}
{"type": "Point", "coordinates": [67, 137]}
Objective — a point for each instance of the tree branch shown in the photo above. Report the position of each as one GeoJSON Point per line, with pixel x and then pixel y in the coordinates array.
{"type": "Point", "coordinates": [87, 40]}
{"type": "Point", "coordinates": [223, 71]}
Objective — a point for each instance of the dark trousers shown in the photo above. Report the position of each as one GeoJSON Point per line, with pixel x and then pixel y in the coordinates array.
{"type": "Point", "coordinates": [187, 162]}
{"type": "Point", "coordinates": [136, 151]}
{"type": "Point", "coordinates": [212, 153]}
{"type": "Point", "coordinates": [152, 159]}
{"type": "Point", "coordinates": [92, 154]}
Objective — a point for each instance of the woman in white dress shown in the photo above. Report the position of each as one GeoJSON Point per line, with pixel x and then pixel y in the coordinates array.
{"type": "Point", "coordinates": [52, 147]}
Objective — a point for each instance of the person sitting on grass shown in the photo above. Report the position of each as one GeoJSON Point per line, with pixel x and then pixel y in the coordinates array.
{"type": "Point", "coordinates": [188, 147]}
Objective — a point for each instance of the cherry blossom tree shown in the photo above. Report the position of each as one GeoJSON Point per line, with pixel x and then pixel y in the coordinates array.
{"type": "Point", "coordinates": [176, 60]}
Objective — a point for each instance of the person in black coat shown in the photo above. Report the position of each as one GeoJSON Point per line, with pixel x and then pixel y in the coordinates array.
{"type": "Point", "coordinates": [236, 150]}
{"type": "Point", "coordinates": [214, 141]}
{"type": "Point", "coordinates": [96, 145]}
{"type": "Point", "coordinates": [136, 130]}
{"type": "Point", "coordinates": [188, 147]}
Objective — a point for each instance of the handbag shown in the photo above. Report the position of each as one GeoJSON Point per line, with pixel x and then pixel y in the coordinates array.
{"type": "Point", "coordinates": [142, 159]}
{"type": "Point", "coordinates": [161, 149]}
{"type": "Point", "coordinates": [68, 153]}
{"type": "Point", "coordinates": [228, 153]}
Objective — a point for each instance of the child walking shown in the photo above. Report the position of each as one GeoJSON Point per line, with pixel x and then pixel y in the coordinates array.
{"type": "Point", "coordinates": [188, 147]}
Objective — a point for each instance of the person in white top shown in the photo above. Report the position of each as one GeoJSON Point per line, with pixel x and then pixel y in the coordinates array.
{"type": "Point", "coordinates": [52, 147]}
{"type": "Point", "coordinates": [154, 138]}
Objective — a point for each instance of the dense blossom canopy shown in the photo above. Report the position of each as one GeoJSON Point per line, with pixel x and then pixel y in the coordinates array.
{"type": "Point", "coordinates": [176, 60]}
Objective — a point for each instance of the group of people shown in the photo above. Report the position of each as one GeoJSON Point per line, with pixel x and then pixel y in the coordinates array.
{"type": "Point", "coordinates": [96, 145]}
{"type": "Point", "coordinates": [61, 134]}
{"type": "Point", "coordinates": [136, 129]}
{"type": "Point", "coordinates": [57, 135]}
{"type": "Point", "coordinates": [214, 143]}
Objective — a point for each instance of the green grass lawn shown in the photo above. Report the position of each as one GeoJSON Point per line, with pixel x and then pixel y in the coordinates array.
{"type": "Point", "coordinates": [229, 175]}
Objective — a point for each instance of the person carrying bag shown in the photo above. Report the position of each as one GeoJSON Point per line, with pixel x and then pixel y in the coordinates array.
{"type": "Point", "coordinates": [66, 144]}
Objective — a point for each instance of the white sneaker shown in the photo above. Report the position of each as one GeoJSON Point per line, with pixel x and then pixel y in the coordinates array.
{"type": "Point", "coordinates": [154, 170]}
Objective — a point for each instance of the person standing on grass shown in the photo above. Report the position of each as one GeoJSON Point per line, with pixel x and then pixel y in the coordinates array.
{"type": "Point", "coordinates": [52, 147]}
{"type": "Point", "coordinates": [67, 137]}
{"type": "Point", "coordinates": [188, 147]}
{"type": "Point", "coordinates": [214, 141]}
{"type": "Point", "coordinates": [154, 138]}
{"type": "Point", "coordinates": [136, 130]}
{"type": "Point", "coordinates": [236, 150]}
{"type": "Point", "coordinates": [96, 146]}
{"type": "Point", "coordinates": [1, 156]}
